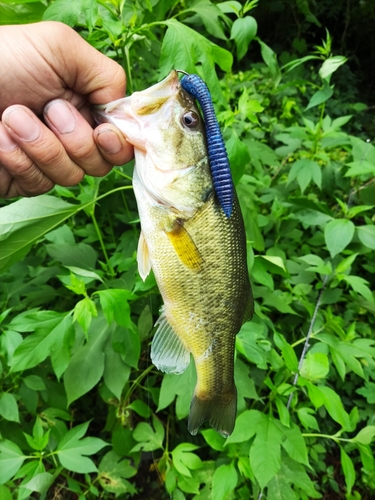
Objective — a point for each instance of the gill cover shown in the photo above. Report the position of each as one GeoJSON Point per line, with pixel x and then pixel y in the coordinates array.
{"type": "Point", "coordinates": [217, 154]}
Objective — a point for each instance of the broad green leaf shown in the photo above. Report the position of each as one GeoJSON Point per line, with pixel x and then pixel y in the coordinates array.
{"type": "Point", "coordinates": [140, 407]}
{"type": "Point", "coordinates": [345, 264]}
{"type": "Point", "coordinates": [334, 406]}
{"type": "Point", "coordinates": [21, 13]}
{"type": "Point", "coordinates": [307, 419]}
{"type": "Point", "coordinates": [116, 371]}
{"type": "Point", "coordinates": [148, 438]}
{"type": "Point", "coordinates": [23, 222]}
{"type": "Point", "coordinates": [243, 30]}
{"type": "Point", "coordinates": [320, 96]}
{"type": "Point", "coordinates": [40, 483]}
{"type": "Point", "coordinates": [115, 306]}
{"type": "Point", "coordinates": [35, 348]}
{"type": "Point", "coordinates": [184, 460]}
{"type": "Point", "coordinates": [5, 493]}
{"type": "Point", "coordinates": [11, 459]}
{"type": "Point", "coordinates": [277, 261]}
{"type": "Point", "coordinates": [270, 58]}
{"type": "Point", "coordinates": [246, 426]}
{"type": "Point", "coordinates": [315, 366]}
{"type": "Point", "coordinates": [359, 285]}
{"type": "Point", "coordinates": [210, 15]}
{"type": "Point", "coordinates": [213, 439]}
{"type": "Point", "coordinates": [185, 48]}
{"type": "Point", "coordinates": [295, 445]}
{"type": "Point", "coordinates": [365, 435]}
{"type": "Point", "coordinates": [265, 452]}
{"type": "Point", "coordinates": [338, 234]}
{"type": "Point", "coordinates": [72, 448]}
{"type": "Point", "coordinates": [366, 234]}
{"type": "Point", "coordinates": [181, 386]}
{"type": "Point", "coordinates": [331, 65]}
{"type": "Point", "coordinates": [113, 472]}
{"type": "Point", "coordinates": [230, 7]}
{"type": "Point", "coordinates": [238, 156]}
{"type": "Point", "coordinates": [348, 469]}
{"type": "Point", "coordinates": [224, 481]}
{"type": "Point", "coordinates": [64, 11]}
{"type": "Point", "coordinates": [86, 366]}
{"type": "Point", "coordinates": [9, 407]}
{"type": "Point", "coordinates": [361, 167]}
{"type": "Point", "coordinates": [84, 311]}
{"type": "Point", "coordinates": [304, 171]}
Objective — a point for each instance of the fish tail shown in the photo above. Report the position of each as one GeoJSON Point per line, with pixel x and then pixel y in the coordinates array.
{"type": "Point", "coordinates": [220, 411]}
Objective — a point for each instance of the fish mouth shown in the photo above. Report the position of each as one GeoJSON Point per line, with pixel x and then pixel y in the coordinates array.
{"type": "Point", "coordinates": [145, 102]}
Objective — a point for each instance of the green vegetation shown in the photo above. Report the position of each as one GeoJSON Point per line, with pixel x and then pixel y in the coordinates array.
{"type": "Point", "coordinates": [83, 413]}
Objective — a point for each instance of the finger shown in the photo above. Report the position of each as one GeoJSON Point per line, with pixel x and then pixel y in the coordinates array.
{"type": "Point", "coordinates": [107, 137]}
{"type": "Point", "coordinates": [76, 135]}
{"type": "Point", "coordinates": [19, 176]}
{"type": "Point", "coordinates": [40, 153]}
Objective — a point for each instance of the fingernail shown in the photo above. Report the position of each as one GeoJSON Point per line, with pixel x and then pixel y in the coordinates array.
{"type": "Point", "coordinates": [22, 124]}
{"type": "Point", "coordinates": [6, 142]}
{"type": "Point", "coordinates": [109, 141]}
{"type": "Point", "coordinates": [60, 116]}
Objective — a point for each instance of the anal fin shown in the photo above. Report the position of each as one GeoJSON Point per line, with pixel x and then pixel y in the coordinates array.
{"type": "Point", "coordinates": [185, 247]}
{"type": "Point", "coordinates": [167, 351]}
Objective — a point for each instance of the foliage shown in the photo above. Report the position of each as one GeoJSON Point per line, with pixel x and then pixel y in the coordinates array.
{"type": "Point", "coordinates": [82, 410]}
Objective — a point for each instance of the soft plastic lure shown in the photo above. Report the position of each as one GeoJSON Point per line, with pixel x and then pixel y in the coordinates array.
{"type": "Point", "coordinates": [217, 154]}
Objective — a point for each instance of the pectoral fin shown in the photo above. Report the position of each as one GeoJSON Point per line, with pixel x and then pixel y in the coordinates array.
{"type": "Point", "coordinates": [143, 258]}
{"type": "Point", "coordinates": [167, 351]}
{"type": "Point", "coordinates": [185, 247]}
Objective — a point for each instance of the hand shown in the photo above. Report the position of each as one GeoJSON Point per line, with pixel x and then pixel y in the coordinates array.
{"type": "Point", "coordinates": [49, 70]}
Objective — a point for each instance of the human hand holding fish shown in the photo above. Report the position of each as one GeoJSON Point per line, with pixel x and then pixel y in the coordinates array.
{"type": "Point", "coordinates": [48, 70]}
{"type": "Point", "coordinates": [193, 238]}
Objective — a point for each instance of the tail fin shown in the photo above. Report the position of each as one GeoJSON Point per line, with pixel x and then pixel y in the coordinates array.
{"type": "Point", "coordinates": [219, 410]}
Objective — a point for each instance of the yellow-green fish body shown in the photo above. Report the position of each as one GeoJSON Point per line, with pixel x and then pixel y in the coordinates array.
{"type": "Point", "coordinates": [197, 253]}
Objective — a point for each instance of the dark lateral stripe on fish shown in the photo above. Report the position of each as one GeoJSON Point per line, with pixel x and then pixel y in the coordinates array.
{"type": "Point", "coordinates": [217, 154]}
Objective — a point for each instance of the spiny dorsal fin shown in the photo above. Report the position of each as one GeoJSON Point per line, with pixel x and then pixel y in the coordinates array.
{"type": "Point", "coordinates": [185, 247]}
{"type": "Point", "coordinates": [167, 351]}
{"type": "Point", "coordinates": [143, 258]}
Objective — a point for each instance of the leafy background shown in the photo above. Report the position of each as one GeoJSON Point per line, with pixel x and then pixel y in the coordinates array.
{"type": "Point", "coordinates": [83, 412]}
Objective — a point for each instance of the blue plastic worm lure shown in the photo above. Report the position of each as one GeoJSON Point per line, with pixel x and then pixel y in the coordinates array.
{"type": "Point", "coordinates": [217, 154]}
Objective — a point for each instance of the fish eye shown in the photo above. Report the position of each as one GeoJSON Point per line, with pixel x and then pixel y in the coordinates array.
{"type": "Point", "coordinates": [190, 119]}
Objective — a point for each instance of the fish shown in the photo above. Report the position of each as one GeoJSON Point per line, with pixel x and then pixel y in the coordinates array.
{"type": "Point", "coordinates": [196, 250]}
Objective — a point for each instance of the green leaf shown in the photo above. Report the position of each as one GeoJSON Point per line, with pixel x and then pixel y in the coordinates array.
{"type": "Point", "coordinates": [64, 11]}
{"type": "Point", "coordinates": [23, 222]}
{"type": "Point", "coordinates": [35, 348]}
{"type": "Point", "coordinates": [348, 469]}
{"type": "Point", "coordinates": [243, 30]}
{"type": "Point", "coordinates": [246, 426]}
{"type": "Point", "coordinates": [295, 445]}
{"type": "Point", "coordinates": [320, 96]}
{"type": "Point", "coordinates": [265, 452]}
{"type": "Point", "coordinates": [270, 58]}
{"type": "Point", "coordinates": [84, 311]}
{"type": "Point", "coordinates": [21, 13]}
{"type": "Point", "coordinates": [210, 15]}
{"type": "Point", "coordinates": [115, 306]}
{"type": "Point", "coordinates": [365, 435]}
{"type": "Point", "coordinates": [114, 471]}
{"type": "Point", "coordinates": [72, 447]}
{"type": "Point", "coordinates": [9, 407]}
{"type": "Point", "coordinates": [331, 65]}
{"type": "Point", "coordinates": [366, 235]}
{"type": "Point", "coordinates": [116, 371]}
{"type": "Point", "coordinates": [359, 285]}
{"type": "Point", "coordinates": [238, 156]}
{"type": "Point", "coordinates": [140, 407]}
{"type": "Point", "coordinates": [185, 48]}
{"type": "Point", "coordinates": [224, 481]}
{"type": "Point", "coordinates": [334, 406]}
{"type": "Point", "coordinates": [315, 366]}
{"type": "Point", "coordinates": [86, 366]}
{"type": "Point", "coordinates": [40, 483]}
{"type": "Point", "coordinates": [304, 171]}
{"type": "Point", "coordinates": [307, 420]}
{"type": "Point", "coordinates": [148, 438]}
{"type": "Point", "coordinates": [184, 460]}
{"type": "Point", "coordinates": [338, 234]}
{"type": "Point", "coordinates": [213, 439]}
{"type": "Point", "coordinates": [181, 386]}
{"type": "Point", "coordinates": [11, 459]}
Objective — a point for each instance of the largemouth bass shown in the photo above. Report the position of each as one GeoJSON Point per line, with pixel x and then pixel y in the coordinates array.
{"type": "Point", "coordinates": [197, 252]}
